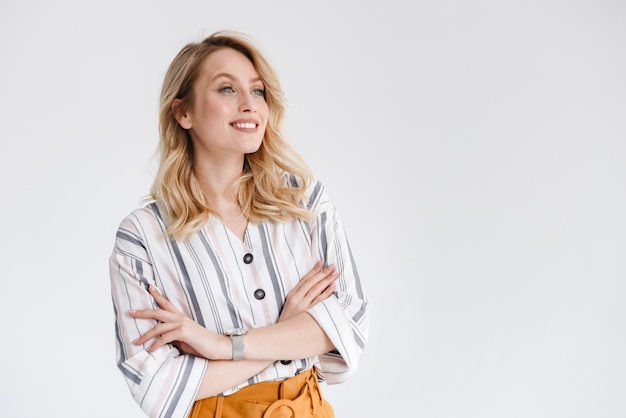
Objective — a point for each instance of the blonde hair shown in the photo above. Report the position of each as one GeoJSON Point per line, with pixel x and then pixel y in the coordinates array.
{"type": "Point", "coordinates": [262, 190]}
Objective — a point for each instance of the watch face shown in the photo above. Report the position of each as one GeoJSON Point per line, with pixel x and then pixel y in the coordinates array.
{"type": "Point", "coordinates": [237, 331]}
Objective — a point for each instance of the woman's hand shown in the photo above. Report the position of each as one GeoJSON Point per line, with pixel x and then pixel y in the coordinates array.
{"type": "Point", "coordinates": [180, 330]}
{"type": "Point", "coordinates": [314, 287]}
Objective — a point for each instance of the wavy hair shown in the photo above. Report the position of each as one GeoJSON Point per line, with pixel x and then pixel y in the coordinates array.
{"type": "Point", "coordinates": [262, 190]}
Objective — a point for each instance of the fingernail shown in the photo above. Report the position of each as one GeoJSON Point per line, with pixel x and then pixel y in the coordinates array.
{"type": "Point", "coordinates": [132, 311]}
{"type": "Point", "coordinates": [153, 289]}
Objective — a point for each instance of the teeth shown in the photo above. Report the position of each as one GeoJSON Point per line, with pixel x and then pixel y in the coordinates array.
{"type": "Point", "coordinates": [246, 125]}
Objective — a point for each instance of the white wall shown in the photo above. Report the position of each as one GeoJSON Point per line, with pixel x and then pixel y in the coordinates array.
{"type": "Point", "coordinates": [475, 149]}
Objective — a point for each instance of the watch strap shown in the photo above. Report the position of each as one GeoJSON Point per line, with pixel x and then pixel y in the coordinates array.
{"type": "Point", "coordinates": [238, 347]}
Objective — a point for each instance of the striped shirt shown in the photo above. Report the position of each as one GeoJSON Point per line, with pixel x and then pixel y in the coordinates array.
{"type": "Point", "coordinates": [223, 283]}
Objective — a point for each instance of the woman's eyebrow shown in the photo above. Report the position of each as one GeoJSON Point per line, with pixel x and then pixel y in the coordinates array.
{"type": "Point", "coordinates": [226, 75]}
{"type": "Point", "coordinates": [233, 78]}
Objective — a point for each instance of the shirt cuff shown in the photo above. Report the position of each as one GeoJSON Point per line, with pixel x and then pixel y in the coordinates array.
{"type": "Point", "coordinates": [337, 365]}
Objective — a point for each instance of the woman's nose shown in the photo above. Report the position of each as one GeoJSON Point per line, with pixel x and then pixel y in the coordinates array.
{"type": "Point", "coordinates": [247, 103]}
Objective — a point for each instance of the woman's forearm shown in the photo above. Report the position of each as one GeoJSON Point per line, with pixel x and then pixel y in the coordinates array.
{"type": "Point", "coordinates": [222, 375]}
{"type": "Point", "coordinates": [292, 339]}
{"type": "Point", "coordinates": [296, 338]}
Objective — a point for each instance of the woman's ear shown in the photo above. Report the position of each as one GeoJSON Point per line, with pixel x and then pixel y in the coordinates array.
{"type": "Point", "coordinates": [180, 113]}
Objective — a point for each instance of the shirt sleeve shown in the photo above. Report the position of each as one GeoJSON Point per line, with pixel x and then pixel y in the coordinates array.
{"type": "Point", "coordinates": [343, 316]}
{"type": "Point", "coordinates": [164, 383]}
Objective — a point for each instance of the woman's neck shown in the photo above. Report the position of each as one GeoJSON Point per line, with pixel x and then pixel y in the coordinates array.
{"type": "Point", "coordinates": [216, 181]}
{"type": "Point", "coordinates": [217, 178]}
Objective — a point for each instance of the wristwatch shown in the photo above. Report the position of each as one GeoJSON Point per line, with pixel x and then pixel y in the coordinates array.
{"type": "Point", "coordinates": [236, 335]}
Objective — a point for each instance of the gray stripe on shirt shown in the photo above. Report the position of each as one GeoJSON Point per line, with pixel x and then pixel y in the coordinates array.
{"type": "Point", "coordinates": [222, 281]}
{"type": "Point", "coordinates": [278, 291]}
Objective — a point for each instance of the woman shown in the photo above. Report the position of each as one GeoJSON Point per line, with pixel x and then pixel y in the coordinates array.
{"type": "Point", "coordinates": [234, 289]}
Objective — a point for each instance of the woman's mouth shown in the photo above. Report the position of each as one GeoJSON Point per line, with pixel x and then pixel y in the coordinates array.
{"type": "Point", "coordinates": [245, 125]}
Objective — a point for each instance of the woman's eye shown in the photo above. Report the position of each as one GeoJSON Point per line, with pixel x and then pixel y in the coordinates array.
{"type": "Point", "coordinates": [259, 92]}
{"type": "Point", "coordinates": [227, 89]}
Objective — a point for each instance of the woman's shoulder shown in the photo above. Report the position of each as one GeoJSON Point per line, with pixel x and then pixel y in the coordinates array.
{"type": "Point", "coordinates": [144, 218]}
{"type": "Point", "coordinates": [316, 198]}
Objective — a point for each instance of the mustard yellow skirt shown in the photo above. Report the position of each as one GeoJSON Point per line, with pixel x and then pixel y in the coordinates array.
{"type": "Point", "coordinates": [297, 397]}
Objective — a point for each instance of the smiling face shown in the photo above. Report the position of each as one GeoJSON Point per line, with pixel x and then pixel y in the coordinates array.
{"type": "Point", "coordinates": [228, 114]}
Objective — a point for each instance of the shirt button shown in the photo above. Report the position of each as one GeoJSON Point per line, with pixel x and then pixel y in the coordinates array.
{"type": "Point", "coordinates": [259, 294]}
{"type": "Point", "coordinates": [248, 258]}
{"type": "Point", "coordinates": [285, 362]}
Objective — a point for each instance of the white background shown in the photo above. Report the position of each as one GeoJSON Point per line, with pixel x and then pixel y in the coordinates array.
{"type": "Point", "coordinates": [476, 151]}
